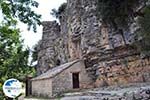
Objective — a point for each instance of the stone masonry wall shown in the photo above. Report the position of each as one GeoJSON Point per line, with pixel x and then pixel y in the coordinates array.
{"type": "Point", "coordinates": [123, 70]}
{"type": "Point", "coordinates": [42, 88]}
{"type": "Point", "coordinates": [63, 81]}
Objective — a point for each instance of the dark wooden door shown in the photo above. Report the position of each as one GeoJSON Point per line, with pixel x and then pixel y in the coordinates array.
{"type": "Point", "coordinates": [75, 78]}
{"type": "Point", "coordinates": [28, 86]}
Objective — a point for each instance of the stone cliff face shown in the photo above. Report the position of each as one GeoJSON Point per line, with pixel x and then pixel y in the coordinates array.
{"type": "Point", "coordinates": [52, 50]}
{"type": "Point", "coordinates": [109, 56]}
{"type": "Point", "coordinates": [83, 27]}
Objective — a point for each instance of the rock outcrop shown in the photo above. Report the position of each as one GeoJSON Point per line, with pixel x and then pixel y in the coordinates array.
{"type": "Point", "coordinates": [52, 50]}
{"type": "Point", "coordinates": [109, 56]}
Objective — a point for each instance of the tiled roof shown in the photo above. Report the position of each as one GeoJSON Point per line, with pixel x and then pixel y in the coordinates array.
{"type": "Point", "coordinates": [56, 70]}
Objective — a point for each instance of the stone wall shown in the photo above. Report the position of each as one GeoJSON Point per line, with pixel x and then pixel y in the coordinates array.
{"type": "Point", "coordinates": [42, 88]}
{"type": "Point", "coordinates": [123, 70]}
{"type": "Point", "coordinates": [63, 81]}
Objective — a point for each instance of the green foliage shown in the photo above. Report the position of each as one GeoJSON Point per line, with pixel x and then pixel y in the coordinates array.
{"type": "Point", "coordinates": [20, 9]}
{"type": "Point", "coordinates": [1, 93]}
{"type": "Point", "coordinates": [13, 57]}
{"type": "Point", "coordinates": [61, 9]}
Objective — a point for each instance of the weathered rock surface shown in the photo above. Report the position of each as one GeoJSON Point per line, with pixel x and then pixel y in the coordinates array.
{"type": "Point", "coordinates": [109, 56]}
{"type": "Point", "coordinates": [130, 92]}
{"type": "Point", "coordinates": [52, 48]}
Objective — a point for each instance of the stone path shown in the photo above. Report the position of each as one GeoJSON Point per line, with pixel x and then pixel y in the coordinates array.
{"type": "Point", "coordinates": [130, 92]}
{"type": "Point", "coordinates": [118, 93]}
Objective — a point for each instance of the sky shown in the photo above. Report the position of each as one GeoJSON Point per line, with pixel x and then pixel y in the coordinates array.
{"type": "Point", "coordinates": [45, 7]}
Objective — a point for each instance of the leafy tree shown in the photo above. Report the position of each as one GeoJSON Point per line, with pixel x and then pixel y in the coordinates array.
{"type": "Point", "coordinates": [20, 9]}
{"type": "Point", "coordinates": [13, 57]}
